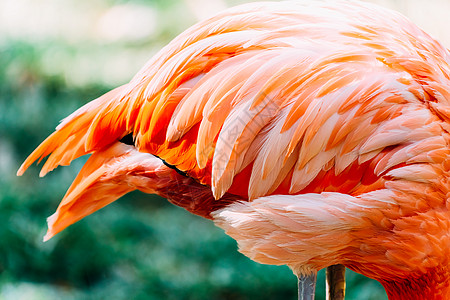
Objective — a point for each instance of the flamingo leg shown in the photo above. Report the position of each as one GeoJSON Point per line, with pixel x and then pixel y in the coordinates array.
{"type": "Point", "coordinates": [307, 286]}
{"type": "Point", "coordinates": [336, 282]}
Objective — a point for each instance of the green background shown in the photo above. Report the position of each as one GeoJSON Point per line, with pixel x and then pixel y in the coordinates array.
{"type": "Point", "coordinates": [54, 57]}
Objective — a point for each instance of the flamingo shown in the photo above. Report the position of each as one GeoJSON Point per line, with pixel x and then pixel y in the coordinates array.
{"type": "Point", "coordinates": [314, 133]}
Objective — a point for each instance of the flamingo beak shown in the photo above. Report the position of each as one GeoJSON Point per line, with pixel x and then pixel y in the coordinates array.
{"type": "Point", "coordinates": [106, 176]}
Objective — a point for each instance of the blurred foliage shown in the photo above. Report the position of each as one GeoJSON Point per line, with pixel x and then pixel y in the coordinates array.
{"type": "Point", "coordinates": [140, 247]}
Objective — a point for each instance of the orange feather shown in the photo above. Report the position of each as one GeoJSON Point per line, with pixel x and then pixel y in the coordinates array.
{"type": "Point", "coordinates": [314, 134]}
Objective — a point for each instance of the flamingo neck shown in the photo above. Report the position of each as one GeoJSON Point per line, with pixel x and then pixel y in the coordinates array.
{"type": "Point", "coordinates": [196, 198]}
{"type": "Point", "coordinates": [433, 285]}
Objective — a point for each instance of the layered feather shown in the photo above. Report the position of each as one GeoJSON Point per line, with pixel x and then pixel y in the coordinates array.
{"type": "Point", "coordinates": [292, 125]}
{"type": "Point", "coordinates": [304, 85]}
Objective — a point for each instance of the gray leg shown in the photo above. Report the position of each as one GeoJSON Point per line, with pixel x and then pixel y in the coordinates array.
{"type": "Point", "coordinates": [307, 286]}
{"type": "Point", "coordinates": [336, 282]}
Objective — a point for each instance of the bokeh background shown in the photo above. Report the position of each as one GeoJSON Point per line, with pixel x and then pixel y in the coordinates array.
{"type": "Point", "coordinates": [56, 55]}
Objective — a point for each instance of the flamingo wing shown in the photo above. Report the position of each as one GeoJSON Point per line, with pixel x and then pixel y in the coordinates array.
{"type": "Point", "coordinates": [306, 101]}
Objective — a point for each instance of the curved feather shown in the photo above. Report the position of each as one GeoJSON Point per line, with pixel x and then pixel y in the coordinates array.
{"type": "Point", "coordinates": [343, 81]}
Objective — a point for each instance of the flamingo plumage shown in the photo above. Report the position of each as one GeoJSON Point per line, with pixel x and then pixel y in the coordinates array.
{"type": "Point", "coordinates": [313, 133]}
